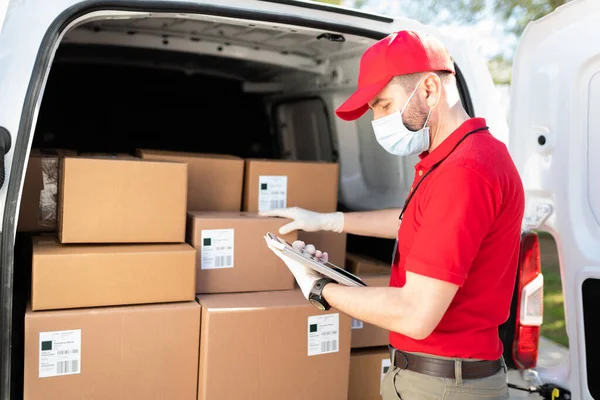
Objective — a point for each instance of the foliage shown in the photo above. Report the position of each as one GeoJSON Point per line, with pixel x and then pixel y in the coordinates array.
{"type": "Point", "coordinates": [514, 14]}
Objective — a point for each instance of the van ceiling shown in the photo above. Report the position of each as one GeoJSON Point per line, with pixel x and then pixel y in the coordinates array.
{"type": "Point", "coordinates": [255, 42]}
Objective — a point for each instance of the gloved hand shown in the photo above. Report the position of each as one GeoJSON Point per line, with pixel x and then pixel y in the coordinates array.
{"type": "Point", "coordinates": [306, 220]}
{"type": "Point", "coordinates": [305, 277]}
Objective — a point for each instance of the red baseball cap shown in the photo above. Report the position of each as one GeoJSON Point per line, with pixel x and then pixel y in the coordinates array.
{"type": "Point", "coordinates": [400, 53]}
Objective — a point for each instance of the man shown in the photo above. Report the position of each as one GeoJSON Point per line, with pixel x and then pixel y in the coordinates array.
{"type": "Point", "coordinates": [454, 270]}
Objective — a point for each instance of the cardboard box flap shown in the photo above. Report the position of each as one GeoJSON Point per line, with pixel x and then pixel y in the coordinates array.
{"type": "Point", "coordinates": [187, 306]}
{"type": "Point", "coordinates": [50, 245]}
{"type": "Point", "coordinates": [217, 215]}
{"type": "Point", "coordinates": [252, 300]}
{"type": "Point", "coordinates": [112, 156]}
{"type": "Point", "coordinates": [268, 160]}
{"type": "Point", "coordinates": [167, 153]}
{"type": "Point", "coordinates": [117, 157]}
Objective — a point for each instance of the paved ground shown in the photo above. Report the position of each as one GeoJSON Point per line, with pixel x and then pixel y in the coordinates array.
{"type": "Point", "coordinates": [550, 355]}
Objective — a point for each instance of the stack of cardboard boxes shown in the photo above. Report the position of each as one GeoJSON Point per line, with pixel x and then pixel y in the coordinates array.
{"type": "Point", "coordinates": [122, 307]}
{"type": "Point", "coordinates": [112, 312]}
{"type": "Point", "coordinates": [370, 358]}
{"type": "Point", "coordinates": [260, 339]}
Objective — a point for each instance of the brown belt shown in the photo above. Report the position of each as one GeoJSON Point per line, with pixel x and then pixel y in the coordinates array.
{"type": "Point", "coordinates": [446, 368]}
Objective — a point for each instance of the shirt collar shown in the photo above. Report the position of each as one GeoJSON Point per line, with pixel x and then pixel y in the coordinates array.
{"type": "Point", "coordinates": [444, 149]}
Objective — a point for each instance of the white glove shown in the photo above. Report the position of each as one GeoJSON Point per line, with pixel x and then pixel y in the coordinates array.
{"type": "Point", "coordinates": [308, 221]}
{"type": "Point", "coordinates": [305, 277]}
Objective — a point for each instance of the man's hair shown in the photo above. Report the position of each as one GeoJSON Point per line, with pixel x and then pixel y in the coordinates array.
{"type": "Point", "coordinates": [410, 81]}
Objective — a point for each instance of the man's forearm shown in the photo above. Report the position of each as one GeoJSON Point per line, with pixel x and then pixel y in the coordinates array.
{"type": "Point", "coordinates": [380, 223]}
{"type": "Point", "coordinates": [386, 307]}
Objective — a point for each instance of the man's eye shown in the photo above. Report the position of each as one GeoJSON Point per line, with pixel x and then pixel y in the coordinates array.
{"type": "Point", "coordinates": [385, 107]}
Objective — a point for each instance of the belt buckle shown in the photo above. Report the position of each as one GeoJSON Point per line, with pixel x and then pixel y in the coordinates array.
{"type": "Point", "coordinates": [405, 359]}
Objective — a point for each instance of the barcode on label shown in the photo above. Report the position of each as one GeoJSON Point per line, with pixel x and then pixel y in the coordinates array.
{"type": "Point", "coordinates": [277, 204]}
{"type": "Point", "coordinates": [65, 352]}
{"type": "Point", "coordinates": [67, 367]}
{"type": "Point", "coordinates": [357, 324]}
{"type": "Point", "coordinates": [221, 261]}
{"type": "Point", "coordinates": [329, 346]}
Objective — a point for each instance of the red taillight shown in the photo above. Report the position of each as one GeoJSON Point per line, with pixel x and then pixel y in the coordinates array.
{"type": "Point", "coordinates": [530, 303]}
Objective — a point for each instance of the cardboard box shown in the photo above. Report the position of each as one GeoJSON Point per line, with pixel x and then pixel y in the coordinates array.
{"type": "Point", "coordinates": [122, 201]}
{"type": "Point", "coordinates": [270, 184]}
{"type": "Point", "coordinates": [232, 255]}
{"type": "Point", "coordinates": [268, 345]}
{"type": "Point", "coordinates": [107, 155]}
{"type": "Point", "coordinates": [363, 265]}
{"type": "Point", "coordinates": [365, 334]}
{"type": "Point", "coordinates": [145, 352]}
{"type": "Point", "coordinates": [333, 243]}
{"type": "Point", "coordinates": [40, 191]}
{"type": "Point", "coordinates": [214, 181]}
{"type": "Point", "coordinates": [70, 276]}
{"type": "Point", "coordinates": [367, 368]}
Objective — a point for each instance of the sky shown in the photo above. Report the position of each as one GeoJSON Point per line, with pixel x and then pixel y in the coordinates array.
{"type": "Point", "coordinates": [487, 36]}
{"type": "Point", "coordinates": [3, 6]}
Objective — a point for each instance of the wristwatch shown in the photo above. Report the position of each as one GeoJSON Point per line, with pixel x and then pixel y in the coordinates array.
{"type": "Point", "coordinates": [316, 294]}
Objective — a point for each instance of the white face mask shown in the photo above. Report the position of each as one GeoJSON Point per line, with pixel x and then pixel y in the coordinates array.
{"type": "Point", "coordinates": [396, 138]}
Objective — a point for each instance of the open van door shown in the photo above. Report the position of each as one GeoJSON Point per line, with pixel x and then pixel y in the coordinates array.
{"type": "Point", "coordinates": [555, 140]}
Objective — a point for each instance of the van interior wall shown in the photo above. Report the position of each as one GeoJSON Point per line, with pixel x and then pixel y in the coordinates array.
{"type": "Point", "coordinates": [111, 108]}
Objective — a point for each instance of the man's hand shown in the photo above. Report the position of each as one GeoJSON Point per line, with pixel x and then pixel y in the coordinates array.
{"type": "Point", "coordinates": [305, 276]}
{"type": "Point", "coordinates": [308, 221]}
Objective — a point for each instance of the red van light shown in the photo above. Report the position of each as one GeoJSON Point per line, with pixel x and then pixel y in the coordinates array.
{"type": "Point", "coordinates": [530, 303]}
{"type": "Point", "coordinates": [526, 352]}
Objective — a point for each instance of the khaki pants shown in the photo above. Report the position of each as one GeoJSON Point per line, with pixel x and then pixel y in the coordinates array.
{"type": "Point", "coordinates": [409, 385]}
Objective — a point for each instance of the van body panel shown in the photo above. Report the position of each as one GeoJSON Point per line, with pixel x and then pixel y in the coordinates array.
{"type": "Point", "coordinates": [555, 97]}
{"type": "Point", "coordinates": [29, 37]}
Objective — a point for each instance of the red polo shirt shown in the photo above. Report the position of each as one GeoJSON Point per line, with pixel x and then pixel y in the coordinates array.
{"type": "Point", "coordinates": [463, 226]}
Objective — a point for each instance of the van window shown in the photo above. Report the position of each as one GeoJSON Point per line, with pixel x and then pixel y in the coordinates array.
{"type": "Point", "coordinates": [304, 130]}
{"type": "Point", "coordinates": [594, 146]}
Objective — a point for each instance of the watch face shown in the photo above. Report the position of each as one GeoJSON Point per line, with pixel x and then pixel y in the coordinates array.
{"type": "Point", "coordinates": [317, 304]}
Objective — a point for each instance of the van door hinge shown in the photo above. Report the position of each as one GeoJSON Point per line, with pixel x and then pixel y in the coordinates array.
{"type": "Point", "coordinates": [5, 144]}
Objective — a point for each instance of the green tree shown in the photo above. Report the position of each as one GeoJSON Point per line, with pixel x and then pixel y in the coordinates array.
{"type": "Point", "coordinates": [514, 14]}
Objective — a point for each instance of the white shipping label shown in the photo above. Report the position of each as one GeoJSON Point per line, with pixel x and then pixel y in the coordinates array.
{"type": "Point", "coordinates": [386, 363]}
{"type": "Point", "coordinates": [357, 324]}
{"type": "Point", "coordinates": [60, 353]}
{"type": "Point", "coordinates": [217, 248]}
{"type": "Point", "coordinates": [323, 334]}
{"type": "Point", "coordinates": [272, 192]}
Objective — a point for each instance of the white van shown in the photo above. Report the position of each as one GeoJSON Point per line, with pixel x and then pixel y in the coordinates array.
{"type": "Point", "coordinates": [262, 78]}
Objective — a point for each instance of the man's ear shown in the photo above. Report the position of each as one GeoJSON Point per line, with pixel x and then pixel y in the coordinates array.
{"type": "Point", "coordinates": [433, 86]}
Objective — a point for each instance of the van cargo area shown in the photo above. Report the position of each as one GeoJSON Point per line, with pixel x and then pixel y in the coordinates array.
{"type": "Point", "coordinates": [128, 106]}
{"type": "Point", "coordinates": [231, 87]}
